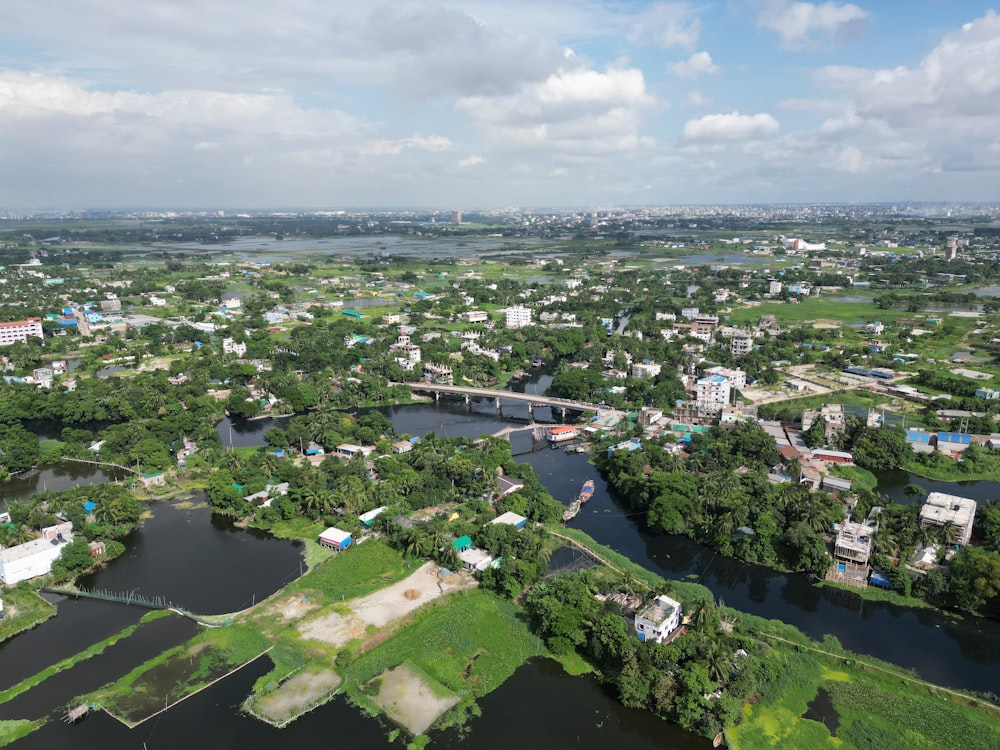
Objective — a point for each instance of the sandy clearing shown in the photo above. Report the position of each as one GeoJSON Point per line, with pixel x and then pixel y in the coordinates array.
{"type": "Point", "coordinates": [409, 701]}
{"type": "Point", "coordinates": [383, 606]}
{"type": "Point", "coordinates": [297, 694]}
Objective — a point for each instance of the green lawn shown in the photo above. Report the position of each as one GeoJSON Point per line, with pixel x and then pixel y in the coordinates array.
{"type": "Point", "coordinates": [30, 609]}
{"type": "Point", "coordinates": [818, 308]}
{"type": "Point", "coordinates": [470, 642]}
{"type": "Point", "coordinates": [870, 711]}
{"type": "Point", "coordinates": [354, 572]}
{"type": "Point", "coordinates": [15, 729]}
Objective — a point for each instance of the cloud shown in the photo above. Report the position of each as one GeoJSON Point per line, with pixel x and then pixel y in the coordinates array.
{"type": "Point", "coordinates": [697, 65]}
{"type": "Point", "coordinates": [573, 113]}
{"type": "Point", "coordinates": [727, 128]}
{"type": "Point", "coordinates": [471, 160]}
{"type": "Point", "coordinates": [801, 25]}
{"type": "Point", "coordinates": [668, 25]}
{"type": "Point", "coordinates": [386, 147]}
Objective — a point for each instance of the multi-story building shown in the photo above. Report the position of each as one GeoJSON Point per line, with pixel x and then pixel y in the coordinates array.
{"type": "Point", "coordinates": [19, 330]}
{"type": "Point", "coordinates": [940, 509]}
{"type": "Point", "coordinates": [712, 392]}
{"type": "Point", "coordinates": [518, 316]}
{"type": "Point", "coordinates": [741, 344]}
{"type": "Point", "coordinates": [647, 369]}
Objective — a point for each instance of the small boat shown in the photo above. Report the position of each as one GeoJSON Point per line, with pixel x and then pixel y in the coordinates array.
{"type": "Point", "coordinates": [572, 510]}
{"type": "Point", "coordinates": [587, 491]}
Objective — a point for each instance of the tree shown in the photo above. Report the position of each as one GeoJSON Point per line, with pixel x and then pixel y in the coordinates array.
{"type": "Point", "coordinates": [975, 577]}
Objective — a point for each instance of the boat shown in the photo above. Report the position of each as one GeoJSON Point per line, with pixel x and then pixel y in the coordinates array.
{"type": "Point", "coordinates": [562, 434]}
{"type": "Point", "coordinates": [587, 491]}
{"type": "Point", "coordinates": [572, 510]}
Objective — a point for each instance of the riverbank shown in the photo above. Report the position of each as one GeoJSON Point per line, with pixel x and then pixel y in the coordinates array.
{"type": "Point", "coordinates": [24, 609]}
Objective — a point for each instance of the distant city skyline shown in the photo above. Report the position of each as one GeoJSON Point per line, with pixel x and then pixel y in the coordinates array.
{"type": "Point", "coordinates": [473, 105]}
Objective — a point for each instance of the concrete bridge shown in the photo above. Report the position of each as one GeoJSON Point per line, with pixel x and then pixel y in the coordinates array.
{"type": "Point", "coordinates": [533, 400]}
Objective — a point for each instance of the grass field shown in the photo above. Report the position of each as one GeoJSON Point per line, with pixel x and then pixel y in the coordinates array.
{"type": "Point", "coordinates": [811, 309]}
{"type": "Point", "coordinates": [24, 609]}
{"type": "Point", "coordinates": [820, 702]}
{"type": "Point", "coordinates": [470, 642]}
{"type": "Point", "coordinates": [15, 729]}
{"type": "Point", "coordinates": [355, 572]}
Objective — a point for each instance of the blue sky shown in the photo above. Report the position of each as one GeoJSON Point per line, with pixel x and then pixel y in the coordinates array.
{"type": "Point", "coordinates": [483, 104]}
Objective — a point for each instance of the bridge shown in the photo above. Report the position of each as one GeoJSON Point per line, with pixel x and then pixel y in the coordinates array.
{"type": "Point", "coordinates": [130, 599]}
{"type": "Point", "coordinates": [129, 469]}
{"type": "Point", "coordinates": [533, 400]}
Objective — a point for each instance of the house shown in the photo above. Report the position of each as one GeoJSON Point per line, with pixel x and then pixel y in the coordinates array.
{"type": "Point", "coordinates": [835, 484]}
{"type": "Point", "coordinates": [506, 485]}
{"type": "Point", "coordinates": [953, 442]}
{"type": "Point", "coordinates": [348, 451]}
{"type": "Point", "coordinates": [367, 518]}
{"type": "Point", "coordinates": [518, 316]}
{"type": "Point", "coordinates": [156, 479]}
{"type": "Point", "coordinates": [402, 446]}
{"type": "Point", "coordinates": [940, 509]}
{"type": "Point", "coordinates": [335, 539]}
{"type": "Point", "coordinates": [658, 620]}
{"type": "Point", "coordinates": [34, 558]}
{"type": "Point", "coordinates": [991, 394]}
{"type": "Point", "coordinates": [919, 440]}
{"type": "Point", "coordinates": [510, 519]}
{"type": "Point", "coordinates": [832, 457]}
{"type": "Point", "coordinates": [463, 543]}
{"type": "Point", "coordinates": [19, 330]}
{"type": "Point", "coordinates": [475, 559]}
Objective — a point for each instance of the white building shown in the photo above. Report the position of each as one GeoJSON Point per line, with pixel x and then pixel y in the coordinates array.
{"type": "Point", "coordinates": [712, 392]}
{"type": "Point", "coordinates": [232, 346]}
{"type": "Point", "coordinates": [518, 316]}
{"type": "Point", "coordinates": [658, 620]}
{"type": "Point", "coordinates": [646, 370]}
{"type": "Point", "coordinates": [34, 558]}
{"type": "Point", "coordinates": [476, 316]}
{"type": "Point", "coordinates": [737, 377]}
{"type": "Point", "coordinates": [19, 330]}
{"type": "Point", "coordinates": [232, 303]}
{"type": "Point", "coordinates": [774, 287]}
{"type": "Point", "coordinates": [941, 508]}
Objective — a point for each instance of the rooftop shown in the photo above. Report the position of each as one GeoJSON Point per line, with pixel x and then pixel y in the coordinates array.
{"type": "Point", "coordinates": [658, 610]}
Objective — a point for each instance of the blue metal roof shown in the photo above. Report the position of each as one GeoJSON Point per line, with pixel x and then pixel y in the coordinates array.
{"type": "Point", "coordinates": [962, 438]}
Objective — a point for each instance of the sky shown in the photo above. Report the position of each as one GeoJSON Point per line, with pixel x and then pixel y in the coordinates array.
{"type": "Point", "coordinates": [483, 104]}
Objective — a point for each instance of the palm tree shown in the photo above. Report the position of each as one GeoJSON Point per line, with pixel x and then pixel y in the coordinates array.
{"type": "Point", "coordinates": [719, 663]}
{"type": "Point", "coordinates": [703, 614]}
{"type": "Point", "coordinates": [416, 541]}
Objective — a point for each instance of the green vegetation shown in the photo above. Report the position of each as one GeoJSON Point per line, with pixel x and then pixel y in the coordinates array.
{"type": "Point", "coordinates": [365, 568]}
{"type": "Point", "coordinates": [470, 642]}
{"type": "Point", "coordinates": [23, 610]}
{"type": "Point", "coordinates": [860, 478]}
{"type": "Point", "coordinates": [14, 729]}
{"type": "Point", "coordinates": [859, 708]}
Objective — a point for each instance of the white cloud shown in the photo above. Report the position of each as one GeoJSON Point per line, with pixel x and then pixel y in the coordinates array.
{"type": "Point", "coordinates": [729, 127]}
{"type": "Point", "coordinates": [695, 100]}
{"type": "Point", "coordinates": [576, 112]}
{"type": "Point", "coordinates": [667, 24]}
{"type": "Point", "coordinates": [803, 25]}
{"type": "Point", "coordinates": [386, 147]}
{"type": "Point", "coordinates": [697, 65]}
{"type": "Point", "coordinates": [471, 160]}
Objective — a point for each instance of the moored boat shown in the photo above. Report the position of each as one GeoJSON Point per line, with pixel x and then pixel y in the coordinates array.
{"type": "Point", "coordinates": [562, 434]}
{"type": "Point", "coordinates": [587, 491]}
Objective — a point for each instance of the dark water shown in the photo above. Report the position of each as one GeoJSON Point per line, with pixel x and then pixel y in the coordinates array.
{"type": "Point", "coordinates": [199, 561]}
{"type": "Point", "coordinates": [892, 484]}
{"type": "Point", "coordinates": [149, 640]}
{"type": "Point", "coordinates": [245, 433]}
{"type": "Point", "coordinates": [538, 707]}
{"type": "Point", "coordinates": [54, 478]}
{"type": "Point", "coordinates": [80, 623]}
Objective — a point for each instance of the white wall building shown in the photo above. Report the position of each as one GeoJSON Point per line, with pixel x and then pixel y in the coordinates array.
{"type": "Point", "coordinates": [941, 508]}
{"type": "Point", "coordinates": [741, 344]}
{"type": "Point", "coordinates": [19, 330]}
{"type": "Point", "coordinates": [712, 392]}
{"type": "Point", "coordinates": [34, 558]}
{"type": "Point", "coordinates": [518, 316]}
{"type": "Point", "coordinates": [232, 346]}
{"type": "Point", "coordinates": [658, 619]}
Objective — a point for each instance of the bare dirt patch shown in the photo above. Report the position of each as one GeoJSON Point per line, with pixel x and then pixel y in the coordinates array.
{"type": "Point", "coordinates": [381, 607]}
{"type": "Point", "coordinates": [297, 695]}
{"type": "Point", "coordinates": [290, 608]}
{"type": "Point", "coordinates": [406, 697]}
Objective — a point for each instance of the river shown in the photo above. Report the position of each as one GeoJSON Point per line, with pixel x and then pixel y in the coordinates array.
{"type": "Point", "coordinates": [202, 562]}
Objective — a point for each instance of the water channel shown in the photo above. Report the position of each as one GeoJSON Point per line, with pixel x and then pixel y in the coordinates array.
{"type": "Point", "coordinates": [202, 562]}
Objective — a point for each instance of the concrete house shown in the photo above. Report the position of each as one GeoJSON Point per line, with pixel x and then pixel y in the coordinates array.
{"type": "Point", "coordinates": [658, 620]}
{"type": "Point", "coordinates": [335, 539]}
{"type": "Point", "coordinates": [941, 508]}
{"type": "Point", "coordinates": [34, 558]}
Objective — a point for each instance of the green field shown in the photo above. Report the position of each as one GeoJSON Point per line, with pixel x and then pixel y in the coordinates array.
{"type": "Point", "coordinates": [858, 708]}
{"type": "Point", "coordinates": [357, 571]}
{"type": "Point", "coordinates": [24, 609]}
{"type": "Point", "coordinates": [830, 308]}
{"type": "Point", "coordinates": [470, 642]}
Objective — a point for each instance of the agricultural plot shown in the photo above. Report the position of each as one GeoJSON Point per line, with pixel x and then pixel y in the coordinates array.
{"type": "Point", "coordinates": [412, 699]}
{"type": "Point", "coordinates": [295, 696]}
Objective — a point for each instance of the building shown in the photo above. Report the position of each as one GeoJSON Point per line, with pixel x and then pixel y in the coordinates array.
{"type": "Point", "coordinates": [34, 558]}
{"type": "Point", "coordinates": [832, 414]}
{"type": "Point", "coordinates": [774, 287]}
{"type": "Point", "coordinates": [476, 560]}
{"type": "Point", "coordinates": [953, 442]}
{"type": "Point", "coordinates": [646, 370]}
{"type": "Point", "coordinates": [367, 518]}
{"type": "Point", "coordinates": [19, 330]}
{"type": "Point", "coordinates": [741, 344]}
{"type": "Point", "coordinates": [510, 519]}
{"type": "Point", "coordinates": [232, 346]}
{"type": "Point", "coordinates": [712, 392]}
{"type": "Point", "coordinates": [658, 620]}
{"type": "Point", "coordinates": [940, 509]}
{"type": "Point", "coordinates": [518, 316]}
{"type": "Point", "coordinates": [335, 539]}
{"type": "Point", "coordinates": [478, 316]}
